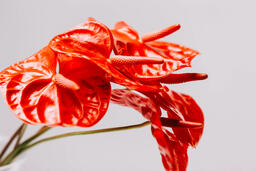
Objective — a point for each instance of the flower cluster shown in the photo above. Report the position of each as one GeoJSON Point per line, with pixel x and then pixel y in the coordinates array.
{"type": "Point", "coordinates": [67, 83]}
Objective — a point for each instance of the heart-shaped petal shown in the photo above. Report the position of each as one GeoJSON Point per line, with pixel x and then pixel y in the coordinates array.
{"type": "Point", "coordinates": [92, 41]}
{"type": "Point", "coordinates": [37, 96]}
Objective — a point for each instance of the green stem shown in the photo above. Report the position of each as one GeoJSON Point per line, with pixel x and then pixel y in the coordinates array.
{"type": "Point", "coordinates": [16, 133]}
{"type": "Point", "coordinates": [25, 145]}
{"type": "Point", "coordinates": [11, 156]}
{"type": "Point", "coordinates": [23, 129]}
{"type": "Point", "coordinates": [88, 132]}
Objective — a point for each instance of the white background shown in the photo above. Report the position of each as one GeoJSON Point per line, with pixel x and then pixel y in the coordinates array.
{"type": "Point", "coordinates": [224, 33]}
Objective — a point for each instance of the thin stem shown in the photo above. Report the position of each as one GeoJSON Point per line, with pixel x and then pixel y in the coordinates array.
{"type": "Point", "coordinates": [23, 129]}
{"type": "Point", "coordinates": [10, 141]}
{"type": "Point", "coordinates": [40, 131]}
{"type": "Point", "coordinates": [25, 145]}
{"type": "Point", "coordinates": [11, 156]}
{"type": "Point", "coordinates": [89, 132]}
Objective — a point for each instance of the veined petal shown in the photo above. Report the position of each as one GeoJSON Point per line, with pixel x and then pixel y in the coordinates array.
{"type": "Point", "coordinates": [144, 105]}
{"type": "Point", "coordinates": [127, 43]}
{"type": "Point", "coordinates": [93, 42]}
{"type": "Point", "coordinates": [111, 73]}
{"type": "Point", "coordinates": [173, 152]}
{"type": "Point", "coordinates": [15, 78]}
{"type": "Point", "coordinates": [174, 52]}
{"type": "Point", "coordinates": [123, 27]}
{"type": "Point", "coordinates": [42, 63]}
{"type": "Point", "coordinates": [88, 38]}
{"type": "Point", "coordinates": [94, 92]}
{"type": "Point", "coordinates": [186, 107]}
{"type": "Point", "coordinates": [34, 95]}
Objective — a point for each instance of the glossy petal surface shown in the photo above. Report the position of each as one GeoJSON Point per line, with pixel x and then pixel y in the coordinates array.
{"type": "Point", "coordinates": [142, 104]}
{"type": "Point", "coordinates": [15, 78]}
{"type": "Point", "coordinates": [93, 41]}
{"type": "Point", "coordinates": [36, 98]}
{"type": "Point", "coordinates": [173, 151]}
{"type": "Point", "coordinates": [95, 92]}
{"type": "Point", "coordinates": [127, 42]}
{"type": "Point", "coordinates": [185, 108]}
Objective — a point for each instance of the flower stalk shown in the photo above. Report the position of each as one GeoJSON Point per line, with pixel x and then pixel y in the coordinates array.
{"type": "Point", "coordinates": [22, 132]}
{"type": "Point", "coordinates": [105, 130]}
{"type": "Point", "coordinates": [29, 142]}
{"type": "Point", "coordinates": [6, 147]}
{"type": "Point", "coordinates": [16, 151]}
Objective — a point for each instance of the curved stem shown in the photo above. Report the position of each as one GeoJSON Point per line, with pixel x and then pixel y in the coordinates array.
{"type": "Point", "coordinates": [88, 132]}
{"type": "Point", "coordinates": [11, 156]}
{"type": "Point", "coordinates": [22, 131]}
{"type": "Point", "coordinates": [16, 133]}
{"type": "Point", "coordinates": [26, 144]}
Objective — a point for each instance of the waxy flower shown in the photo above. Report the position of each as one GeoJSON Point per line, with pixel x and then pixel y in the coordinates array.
{"type": "Point", "coordinates": [38, 94]}
{"type": "Point", "coordinates": [67, 83]}
{"type": "Point", "coordinates": [183, 108]}
{"type": "Point", "coordinates": [92, 41]}
{"type": "Point", "coordinates": [78, 93]}
{"type": "Point", "coordinates": [127, 42]}
{"type": "Point", "coordinates": [173, 149]}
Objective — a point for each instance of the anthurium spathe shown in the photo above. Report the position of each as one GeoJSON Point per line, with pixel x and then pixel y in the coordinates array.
{"type": "Point", "coordinates": [77, 94]}
{"type": "Point", "coordinates": [38, 94]}
{"type": "Point", "coordinates": [173, 149]}
{"type": "Point", "coordinates": [93, 41]}
{"type": "Point", "coordinates": [127, 42]}
{"type": "Point", "coordinates": [67, 83]}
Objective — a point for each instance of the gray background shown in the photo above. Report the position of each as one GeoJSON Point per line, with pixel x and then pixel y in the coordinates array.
{"type": "Point", "coordinates": [224, 33]}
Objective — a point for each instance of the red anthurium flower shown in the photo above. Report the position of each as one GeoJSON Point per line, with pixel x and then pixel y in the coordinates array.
{"type": "Point", "coordinates": [93, 41]}
{"type": "Point", "coordinates": [77, 94]}
{"type": "Point", "coordinates": [183, 108]}
{"type": "Point", "coordinates": [127, 42]}
{"type": "Point", "coordinates": [78, 91]}
{"type": "Point", "coordinates": [172, 147]}
{"type": "Point", "coordinates": [38, 94]}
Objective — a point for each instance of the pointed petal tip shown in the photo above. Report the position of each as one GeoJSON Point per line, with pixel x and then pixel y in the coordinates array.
{"type": "Point", "coordinates": [91, 19]}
